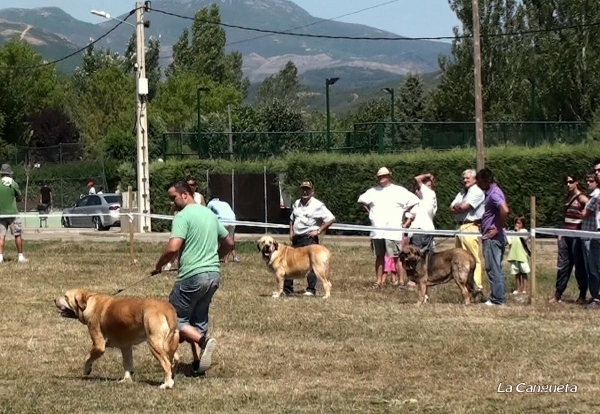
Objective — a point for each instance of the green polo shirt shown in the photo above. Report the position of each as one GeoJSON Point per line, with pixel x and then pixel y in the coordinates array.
{"type": "Point", "coordinates": [8, 198]}
{"type": "Point", "coordinates": [201, 231]}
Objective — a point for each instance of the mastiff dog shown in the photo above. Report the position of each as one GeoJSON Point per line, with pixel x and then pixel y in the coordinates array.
{"type": "Point", "coordinates": [122, 323]}
{"type": "Point", "coordinates": [438, 268]}
{"type": "Point", "coordinates": [295, 262]}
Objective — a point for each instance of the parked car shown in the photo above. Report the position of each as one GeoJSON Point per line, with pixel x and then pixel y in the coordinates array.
{"type": "Point", "coordinates": [102, 211]}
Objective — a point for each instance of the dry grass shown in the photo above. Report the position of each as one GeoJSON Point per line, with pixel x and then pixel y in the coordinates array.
{"type": "Point", "coordinates": [361, 351]}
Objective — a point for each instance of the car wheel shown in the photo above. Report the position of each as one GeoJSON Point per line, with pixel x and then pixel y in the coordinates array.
{"type": "Point", "coordinates": [98, 224]}
{"type": "Point", "coordinates": [64, 222]}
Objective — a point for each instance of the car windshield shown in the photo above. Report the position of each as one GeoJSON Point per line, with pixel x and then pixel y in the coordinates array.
{"type": "Point", "coordinates": [113, 199]}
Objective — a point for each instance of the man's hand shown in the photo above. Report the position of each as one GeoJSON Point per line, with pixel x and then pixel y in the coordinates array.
{"type": "Point", "coordinates": [491, 233]}
{"type": "Point", "coordinates": [313, 233]}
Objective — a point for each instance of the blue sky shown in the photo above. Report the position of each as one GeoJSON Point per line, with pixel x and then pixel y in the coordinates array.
{"type": "Point", "coordinates": [414, 18]}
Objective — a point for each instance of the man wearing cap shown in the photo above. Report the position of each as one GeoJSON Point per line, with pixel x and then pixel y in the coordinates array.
{"type": "Point", "coordinates": [310, 217]}
{"type": "Point", "coordinates": [386, 204]}
{"type": "Point", "coordinates": [92, 190]}
{"type": "Point", "coordinates": [9, 195]}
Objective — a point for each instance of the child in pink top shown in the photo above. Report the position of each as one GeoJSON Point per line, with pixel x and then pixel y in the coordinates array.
{"type": "Point", "coordinates": [389, 268]}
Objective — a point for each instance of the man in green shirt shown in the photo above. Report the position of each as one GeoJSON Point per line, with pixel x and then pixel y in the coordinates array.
{"type": "Point", "coordinates": [9, 195]}
{"type": "Point", "coordinates": [200, 240]}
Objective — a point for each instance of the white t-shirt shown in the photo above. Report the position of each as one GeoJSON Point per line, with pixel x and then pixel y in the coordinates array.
{"type": "Point", "coordinates": [198, 198]}
{"type": "Point", "coordinates": [596, 193]}
{"type": "Point", "coordinates": [386, 209]}
{"type": "Point", "coordinates": [475, 198]}
{"type": "Point", "coordinates": [309, 217]}
{"type": "Point", "coordinates": [425, 211]}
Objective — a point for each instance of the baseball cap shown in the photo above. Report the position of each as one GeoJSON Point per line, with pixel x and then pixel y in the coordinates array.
{"type": "Point", "coordinates": [383, 171]}
{"type": "Point", "coordinates": [307, 184]}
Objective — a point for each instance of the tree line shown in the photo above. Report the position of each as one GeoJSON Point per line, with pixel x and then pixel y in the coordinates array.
{"type": "Point", "coordinates": [540, 61]}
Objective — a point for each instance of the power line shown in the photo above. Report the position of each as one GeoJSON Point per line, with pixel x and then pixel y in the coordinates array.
{"type": "Point", "coordinates": [389, 38]}
{"type": "Point", "coordinates": [318, 22]}
{"type": "Point", "coordinates": [71, 54]}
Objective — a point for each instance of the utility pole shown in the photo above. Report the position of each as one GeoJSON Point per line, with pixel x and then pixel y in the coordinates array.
{"type": "Point", "coordinates": [143, 174]}
{"type": "Point", "coordinates": [478, 97]}
{"type": "Point", "coordinates": [230, 132]}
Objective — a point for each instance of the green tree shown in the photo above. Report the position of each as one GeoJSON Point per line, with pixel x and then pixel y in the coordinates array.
{"type": "Point", "coordinates": [202, 52]}
{"type": "Point", "coordinates": [26, 88]}
{"type": "Point", "coordinates": [284, 87]}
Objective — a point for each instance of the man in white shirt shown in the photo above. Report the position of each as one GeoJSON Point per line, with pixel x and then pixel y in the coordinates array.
{"type": "Point", "coordinates": [386, 205]}
{"type": "Point", "coordinates": [310, 218]}
{"type": "Point", "coordinates": [423, 214]}
{"type": "Point", "coordinates": [467, 208]}
{"type": "Point", "coordinates": [92, 189]}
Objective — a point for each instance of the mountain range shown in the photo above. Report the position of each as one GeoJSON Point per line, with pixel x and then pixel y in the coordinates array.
{"type": "Point", "coordinates": [359, 63]}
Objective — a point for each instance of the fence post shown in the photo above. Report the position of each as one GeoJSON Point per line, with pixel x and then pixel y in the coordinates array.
{"type": "Point", "coordinates": [265, 192]}
{"type": "Point", "coordinates": [131, 224]}
{"type": "Point", "coordinates": [233, 189]}
{"type": "Point", "coordinates": [164, 147]}
{"type": "Point", "coordinates": [380, 134]}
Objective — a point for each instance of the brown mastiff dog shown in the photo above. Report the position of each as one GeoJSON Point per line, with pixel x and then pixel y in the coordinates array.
{"type": "Point", "coordinates": [122, 323]}
{"type": "Point", "coordinates": [438, 268]}
{"type": "Point", "coordinates": [295, 262]}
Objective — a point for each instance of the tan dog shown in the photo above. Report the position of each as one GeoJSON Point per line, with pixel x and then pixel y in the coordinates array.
{"type": "Point", "coordinates": [295, 262]}
{"type": "Point", "coordinates": [122, 323]}
{"type": "Point", "coordinates": [439, 268]}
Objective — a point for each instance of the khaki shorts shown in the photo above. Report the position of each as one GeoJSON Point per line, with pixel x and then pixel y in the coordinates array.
{"type": "Point", "coordinates": [14, 224]}
{"type": "Point", "coordinates": [381, 247]}
{"type": "Point", "coordinates": [231, 230]}
{"type": "Point", "coordinates": [519, 267]}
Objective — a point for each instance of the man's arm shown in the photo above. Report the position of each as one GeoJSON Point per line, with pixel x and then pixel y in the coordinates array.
{"type": "Point", "coordinates": [291, 229]}
{"type": "Point", "coordinates": [173, 247]}
{"type": "Point", "coordinates": [502, 214]}
{"type": "Point", "coordinates": [472, 200]}
{"type": "Point", "coordinates": [18, 195]}
{"type": "Point", "coordinates": [419, 178]}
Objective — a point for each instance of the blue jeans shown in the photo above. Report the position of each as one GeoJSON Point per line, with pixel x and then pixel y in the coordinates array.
{"type": "Point", "coordinates": [591, 257]}
{"type": "Point", "coordinates": [493, 250]}
{"type": "Point", "coordinates": [191, 299]}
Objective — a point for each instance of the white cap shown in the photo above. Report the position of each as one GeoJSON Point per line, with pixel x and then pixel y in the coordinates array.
{"type": "Point", "coordinates": [383, 171]}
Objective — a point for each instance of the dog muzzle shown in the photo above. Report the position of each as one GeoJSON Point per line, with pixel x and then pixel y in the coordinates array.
{"type": "Point", "coordinates": [266, 252]}
{"type": "Point", "coordinates": [65, 311]}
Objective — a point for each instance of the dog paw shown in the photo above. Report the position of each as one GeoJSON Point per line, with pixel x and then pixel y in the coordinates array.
{"type": "Point", "coordinates": [87, 371]}
{"type": "Point", "coordinates": [124, 380]}
{"type": "Point", "coordinates": [167, 385]}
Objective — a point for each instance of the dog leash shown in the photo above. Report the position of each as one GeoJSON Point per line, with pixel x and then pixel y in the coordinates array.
{"type": "Point", "coordinates": [140, 281]}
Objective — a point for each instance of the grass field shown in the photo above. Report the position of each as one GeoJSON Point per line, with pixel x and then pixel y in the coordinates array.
{"type": "Point", "coordinates": [360, 351]}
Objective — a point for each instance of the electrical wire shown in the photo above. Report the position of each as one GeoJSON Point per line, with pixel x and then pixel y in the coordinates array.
{"type": "Point", "coordinates": [71, 54]}
{"type": "Point", "coordinates": [317, 22]}
{"type": "Point", "coordinates": [389, 38]}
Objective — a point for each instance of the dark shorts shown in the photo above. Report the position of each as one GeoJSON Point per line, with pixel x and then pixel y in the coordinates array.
{"type": "Point", "coordinates": [191, 299]}
{"type": "Point", "coordinates": [381, 247]}
{"type": "Point", "coordinates": [422, 241]}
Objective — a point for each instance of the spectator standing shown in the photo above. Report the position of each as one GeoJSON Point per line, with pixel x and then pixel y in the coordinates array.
{"type": "Point", "coordinates": [493, 236]}
{"type": "Point", "coordinates": [198, 197]}
{"type": "Point", "coordinates": [467, 208]}
{"type": "Point", "coordinates": [518, 257]}
{"type": "Point", "coordinates": [423, 214]}
{"type": "Point", "coordinates": [91, 188]}
{"type": "Point", "coordinates": [10, 193]}
{"type": "Point", "coordinates": [225, 214]}
{"type": "Point", "coordinates": [386, 204]}
{"type": "Point", "coordinates": [45, 203]}
{"type": "Point", "coordinates": [200, 240]}
{"type": "Point", "coordinates": [591, 247]}
{"type": "Point", "coordinates": [310, 218]}
{"type": "Point", "coordinates": [570, 250]}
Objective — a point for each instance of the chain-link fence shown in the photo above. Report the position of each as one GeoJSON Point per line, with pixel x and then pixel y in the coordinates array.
{"type": "Point", "coordinates": [380, 137]}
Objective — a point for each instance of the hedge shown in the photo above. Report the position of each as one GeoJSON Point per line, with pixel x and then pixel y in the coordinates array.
{"type": "Point", "coordinates": [340, 179]}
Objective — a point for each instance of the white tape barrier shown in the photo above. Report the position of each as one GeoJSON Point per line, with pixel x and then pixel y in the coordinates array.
{"type": "Point", "coordinates": [340, 226]}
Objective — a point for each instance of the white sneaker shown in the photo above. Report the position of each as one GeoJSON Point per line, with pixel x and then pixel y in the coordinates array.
{"type": "Point", "coordinates": [206, 358]}
{"type": "Point", "coordinates": [515, 292]}
{"type": "Point", "coordinates": [490, 303]}
{"type": "Point", "coordinates": [23, 259]}
{"type": "Point", "coordinates": [307, 293]}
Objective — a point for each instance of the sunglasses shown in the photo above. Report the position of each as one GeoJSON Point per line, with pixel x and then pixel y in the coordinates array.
{"type": "Point", "coordinates": [570, 181]}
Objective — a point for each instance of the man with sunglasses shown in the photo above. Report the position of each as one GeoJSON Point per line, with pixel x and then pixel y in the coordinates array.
{"type": "Point", "coordinates": [198, 197]}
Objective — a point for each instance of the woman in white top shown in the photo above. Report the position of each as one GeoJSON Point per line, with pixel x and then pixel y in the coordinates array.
{"type": "Point", "coordinates": [421, 217]}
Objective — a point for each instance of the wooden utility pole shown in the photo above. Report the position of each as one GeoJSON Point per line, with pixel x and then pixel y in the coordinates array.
{"type": "Point", "coordinates": [478, 97]}
{"type": "Point", "coordinates": [143, 174]}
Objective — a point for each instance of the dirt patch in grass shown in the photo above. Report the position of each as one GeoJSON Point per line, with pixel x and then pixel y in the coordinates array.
{"type": "Point", "coordinates": [361, 351]}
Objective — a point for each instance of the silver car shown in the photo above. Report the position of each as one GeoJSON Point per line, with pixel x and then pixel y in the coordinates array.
{"type": "Point", "coordinates": [99, 211]}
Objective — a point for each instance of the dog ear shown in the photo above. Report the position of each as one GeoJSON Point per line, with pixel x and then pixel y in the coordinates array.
{"type": "Point", "coordinates": [275, 245]}
{"type": "Point", "coordinates": [258, 246]}
{"type": "Point", "coordinates": [81, 300]}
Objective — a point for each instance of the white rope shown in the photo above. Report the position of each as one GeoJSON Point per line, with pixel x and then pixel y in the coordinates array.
{"type": "Point", "coordinates": [338, 226]}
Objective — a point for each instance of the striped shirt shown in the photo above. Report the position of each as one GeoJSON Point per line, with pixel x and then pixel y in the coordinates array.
{"type": "Point", "coordinates": [573, 218]}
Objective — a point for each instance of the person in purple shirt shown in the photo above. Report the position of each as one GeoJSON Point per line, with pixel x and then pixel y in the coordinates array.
{"type": "Point", "coordinates": [492, 234]}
